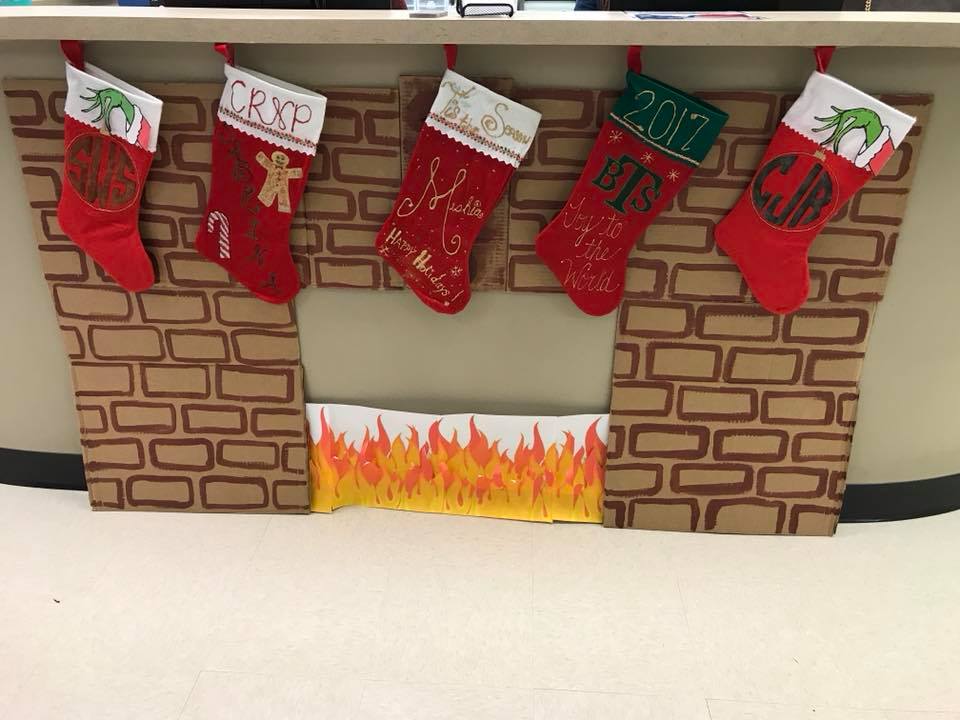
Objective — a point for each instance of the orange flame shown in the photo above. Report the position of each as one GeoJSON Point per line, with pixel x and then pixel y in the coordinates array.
{"type": "Point", "coordinates": [538, 482]}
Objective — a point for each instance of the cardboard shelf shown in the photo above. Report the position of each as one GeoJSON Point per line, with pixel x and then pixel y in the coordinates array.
{"type": "Point", "coordinates": [851, 29]}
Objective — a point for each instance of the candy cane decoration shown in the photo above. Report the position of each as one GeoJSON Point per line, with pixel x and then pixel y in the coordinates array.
{"type": "Point", "coordinates": [218, 217]}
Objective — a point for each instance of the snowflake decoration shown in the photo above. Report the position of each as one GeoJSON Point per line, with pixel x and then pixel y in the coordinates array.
{"type": "Point", "coordinates": [616, 136]}
{"type": "Point", "coordinates": [455, 272]}
{"type": "Point", "coordinates": [673, 176]}
{"type": "Point", "coordinates": [647, 158]}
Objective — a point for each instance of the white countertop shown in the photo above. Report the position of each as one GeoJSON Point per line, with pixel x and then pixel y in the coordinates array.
{"type": "Point", "coordinates": [532, 27]}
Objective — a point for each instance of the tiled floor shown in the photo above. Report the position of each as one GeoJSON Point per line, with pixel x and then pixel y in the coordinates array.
{"type": "Point", "coordinates": [372, 614]}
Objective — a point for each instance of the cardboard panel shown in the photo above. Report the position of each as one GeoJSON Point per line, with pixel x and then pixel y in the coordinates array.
{"type": "Point", "coordinates": [168, 406]}
{"type": "Point", "coordinates": [745, 418]}
{"type": "Point", "coordinates": [191, 402]}
{"type": "Point", "coordinates": [189, 395]}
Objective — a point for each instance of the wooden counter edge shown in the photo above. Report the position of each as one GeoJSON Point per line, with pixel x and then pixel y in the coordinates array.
{"type": "Point", "coordinates": [532, 27]}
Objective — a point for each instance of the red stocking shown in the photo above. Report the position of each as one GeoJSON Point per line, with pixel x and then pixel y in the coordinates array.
{"type": "Point", "coordinates": [264, 139]}
{"type": "Point", "coordinates": [830, 142]}
{"type": "Point", "coordinates": [465, 155]}
{"type": "Point", "coordinates": [648, 147]}
{"type": "Point", "coordinates": [110, 136]}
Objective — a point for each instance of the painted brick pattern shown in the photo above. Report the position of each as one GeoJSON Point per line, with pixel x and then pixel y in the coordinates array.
{"type": "Point", "coordinates": [726, 418]}
{"type": "Point", "coordinates": [350, 190]}
{"type": "Point", "coordinates": [189, 412]}
{"type": "Point", "coordinates": [189, 395]}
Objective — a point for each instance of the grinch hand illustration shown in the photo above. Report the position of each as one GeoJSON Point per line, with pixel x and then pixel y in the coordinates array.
{"type": "Point", "coordinates": [120, 116]}
{"type": "Point", "coordinates": [871, 150]}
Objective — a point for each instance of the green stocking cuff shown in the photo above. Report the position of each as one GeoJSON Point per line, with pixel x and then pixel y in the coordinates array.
{"type": "Point", "coordinates": [681, 126]}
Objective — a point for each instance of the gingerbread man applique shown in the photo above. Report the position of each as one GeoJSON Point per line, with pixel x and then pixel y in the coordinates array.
{"type": "Point", "coordinates": [275, 185]}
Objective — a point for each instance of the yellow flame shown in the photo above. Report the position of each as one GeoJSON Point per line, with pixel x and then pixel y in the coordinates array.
{"type": "Point", "coordinates": [534, 482]}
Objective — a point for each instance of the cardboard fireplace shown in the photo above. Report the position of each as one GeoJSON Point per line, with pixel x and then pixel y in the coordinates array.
{"type": "Point", "coordinates": [723, 417]}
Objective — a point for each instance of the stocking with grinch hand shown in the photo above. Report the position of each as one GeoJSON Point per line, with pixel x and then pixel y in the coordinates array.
{"type": "Point", "coordinates": [110, 135]}
{"type": "Point", "coordinates": [831, 141]}
{"type": "Point", "coordinates": [472, 141]}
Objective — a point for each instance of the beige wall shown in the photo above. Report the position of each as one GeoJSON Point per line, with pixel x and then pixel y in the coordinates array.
{"type": "Point", "coordinates": [526, 353]}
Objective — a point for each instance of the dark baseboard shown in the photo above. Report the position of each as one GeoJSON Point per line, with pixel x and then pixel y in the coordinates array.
{"type": "Point", "coordinates": [31, 468]}
{"type": "Point", "coordinates": [902, 500]}
{"type": "Point", "coordinates": [861, 503]}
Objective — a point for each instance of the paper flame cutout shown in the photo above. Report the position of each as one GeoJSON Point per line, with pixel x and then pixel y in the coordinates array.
{"type": "Point", "coordinates": [533, 482]}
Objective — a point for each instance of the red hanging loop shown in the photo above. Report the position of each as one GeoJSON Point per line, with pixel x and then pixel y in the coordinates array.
{"type": "Point", "coordinates": [823, 53]}
{"type": "Point", "coordinates": [73, 51]}
{"type": "Point", "coordinates": [226, 49]}
{"type": "Point", "coordinates": [635, 58]}
{"type": "Point", "coordinates": [451, 53]}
